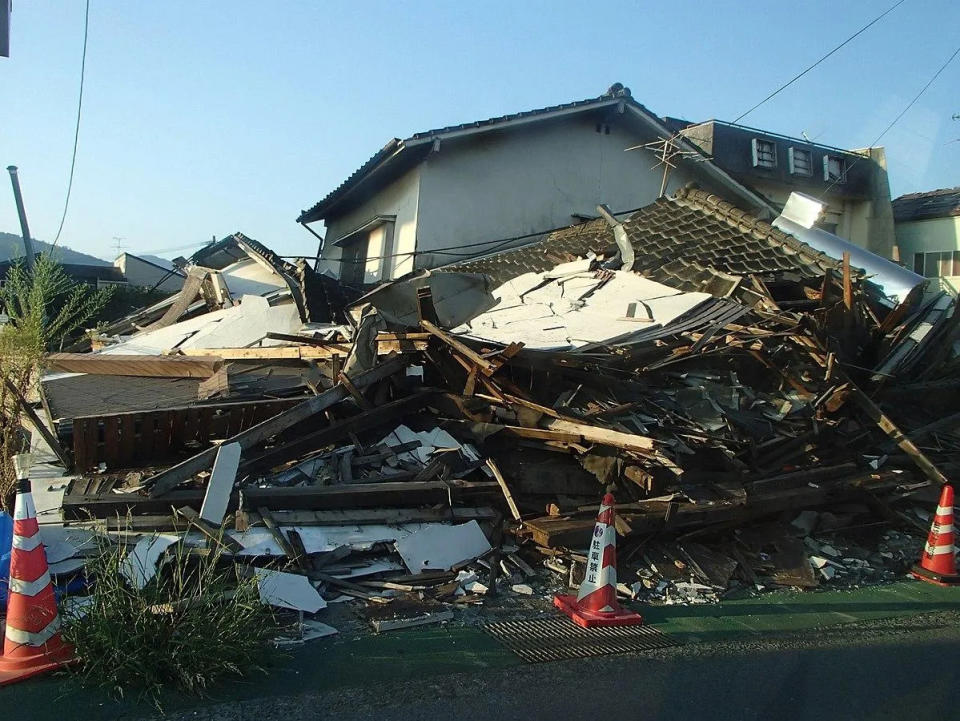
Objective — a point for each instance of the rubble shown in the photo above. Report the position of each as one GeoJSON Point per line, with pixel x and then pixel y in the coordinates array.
{"type": "Point", "coordinates": [760, 428]}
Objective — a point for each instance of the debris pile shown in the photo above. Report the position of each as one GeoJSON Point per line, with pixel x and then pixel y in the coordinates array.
{"type": "Point", "coordinates": [763, 415]}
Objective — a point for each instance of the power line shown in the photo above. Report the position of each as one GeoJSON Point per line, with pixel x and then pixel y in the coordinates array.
{"type": "Point", "coordinates": [76, 133]}
{"type": "Point", "coordinates": [795, 78]}
{"type": "Point", "coordinates": [897, 119]}
{"type": "Point", "coordinates": [450, 250]}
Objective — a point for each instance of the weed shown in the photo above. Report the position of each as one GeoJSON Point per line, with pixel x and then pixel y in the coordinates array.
{"type": "Point", "coordinates": [196, 621]}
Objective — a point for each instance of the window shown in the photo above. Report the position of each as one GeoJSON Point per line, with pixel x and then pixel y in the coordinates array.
{"type": "Point", "coordinates": [367, 252]}
{"type": "Point", "coordinates": [834, 169]}
{"type": "Point", "coordinates": [800, 161]}
{"type": "Point", "coordinates": [937, 264]}
{"type": "Point", "coordinates": [764, 153]}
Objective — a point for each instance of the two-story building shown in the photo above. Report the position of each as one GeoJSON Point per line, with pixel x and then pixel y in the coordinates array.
{"type": "Point", "coordinates": [473, 189]}
{"type": "Point", "coordinates": [852, 183]}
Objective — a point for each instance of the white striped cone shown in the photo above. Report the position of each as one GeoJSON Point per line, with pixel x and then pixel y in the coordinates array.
{"type": "Point", "coordinates": [596, 604]}
{"type": "Point", "coordinates": [938, 562]}
{"type": "Point", "coordinates": [32, 642]}
{"type": "Point", "coordinates": [598, 592]}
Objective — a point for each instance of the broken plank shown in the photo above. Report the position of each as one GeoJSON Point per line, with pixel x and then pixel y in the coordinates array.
{"type": "Point", "coordinates": [514, 511]}
{"type": "Point", "coordinates": [199, 365]}
{"type": "Point", "coordinates": [485, 366]}
{"type": "Point", "coordinates": [300, 353]}
{"type": "Point", "coordinates": [220, 484]}
{"type": "Point", "coordinates": [267, 517]}
{"type": "Point", "coordinates": [343, 378]}
{"type": "Point", "coordinates": [213, 533]}
{"type": "Point", "coordinates": [169, 479]}
{"type": "Point", "coordinates": [601, 436]}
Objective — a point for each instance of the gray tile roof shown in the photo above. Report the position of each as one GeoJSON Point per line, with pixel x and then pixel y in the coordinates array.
{"type": "Point", "coordinates": [941, 203]}
{"type": "Point", "coordinates": [688, 241]}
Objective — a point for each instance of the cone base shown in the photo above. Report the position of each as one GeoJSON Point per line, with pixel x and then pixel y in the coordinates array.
{"type": "Point", "coordinates": [940, 579]}
{"type": "Point", "coordinates": [593, 619]}
{"type": "Point", "coordinates": [12, 673]}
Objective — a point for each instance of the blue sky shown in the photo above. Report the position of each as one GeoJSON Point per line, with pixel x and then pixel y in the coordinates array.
{"type": "Point", "coordinates": [202, 118]}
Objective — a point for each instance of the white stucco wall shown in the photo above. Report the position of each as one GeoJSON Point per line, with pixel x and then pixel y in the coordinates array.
{"type": "Point", "coordinates": [400, 198]}
{"type": "Point", "coordinates": [508, 183]}
{"type": "Point", "coordinates": [146, 275]}
{"type": "Point", "coordinates": [927, 236]}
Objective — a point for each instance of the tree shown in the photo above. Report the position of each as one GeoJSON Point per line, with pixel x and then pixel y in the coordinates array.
{"type": "Point", "coordinates": [44, 306]}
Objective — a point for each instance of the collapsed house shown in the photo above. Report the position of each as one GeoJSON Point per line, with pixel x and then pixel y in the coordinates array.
{"type": "Point", "coordinates": [737, 388]}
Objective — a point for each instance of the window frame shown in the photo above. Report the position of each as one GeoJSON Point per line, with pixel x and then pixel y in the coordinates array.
{"type": "Point", "coordinates": [792, 161]}
{"type": "Point", "coordinates": [755, 153]}
{"type": "Point", "coordinates": [844, 167]}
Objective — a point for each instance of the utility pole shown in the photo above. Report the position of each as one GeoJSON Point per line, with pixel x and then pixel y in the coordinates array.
{"type": "Point", "coordinates": [24, 230]}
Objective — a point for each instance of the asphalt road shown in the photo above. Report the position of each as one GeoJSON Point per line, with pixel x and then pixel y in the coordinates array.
{"type": "Point", "coordinates": [897, 669]}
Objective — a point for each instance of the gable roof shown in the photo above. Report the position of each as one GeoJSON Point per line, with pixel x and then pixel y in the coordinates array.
{"type": "Point", "coordinates": [691, 241]}
{"type": "Point", "coordinates": [398, 155]}
{"type": "Point", "coordinates": [942, 203]}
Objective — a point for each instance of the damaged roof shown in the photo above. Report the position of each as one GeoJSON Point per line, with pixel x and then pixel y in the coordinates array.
{"type": "Point", "coordinates": [685, 241]}
{"type": "Point", "coordinates": [942, 203]}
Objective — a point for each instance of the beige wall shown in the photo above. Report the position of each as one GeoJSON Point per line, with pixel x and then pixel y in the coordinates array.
{"type": "Point", "coordinates": [400, 198]}
{"type": "Point", "coordinates": [145, 275]}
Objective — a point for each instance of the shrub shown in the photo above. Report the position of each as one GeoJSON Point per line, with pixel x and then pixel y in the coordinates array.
{"type": "Point", "coordinates": [196, 621]}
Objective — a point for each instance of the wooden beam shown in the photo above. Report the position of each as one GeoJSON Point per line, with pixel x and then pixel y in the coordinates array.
{"type": "Point", "coordinates": [172, 477]}
{"type": "Point", "coordinates": [400, 494]}
{"type": "Point", "coordinates": [198, 365]}
{"type": "Point", "coordinates": [339, 517]}
{"type": "Point", "coordinates": [301, 352]}
{"type": "Point", "coordinates": [887, 425]}
{"type": "Point", "coordinates": [551, 531]}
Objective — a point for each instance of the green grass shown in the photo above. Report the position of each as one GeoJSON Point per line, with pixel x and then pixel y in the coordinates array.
{"type": "Point", "coordinates": [196, 622]}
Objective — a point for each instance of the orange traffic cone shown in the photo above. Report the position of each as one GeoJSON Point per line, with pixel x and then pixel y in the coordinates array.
{"type": "Point", "coordinates": [596, 604]}
{"type": "Point", "coordinates": [32, 641]}
{"type": "Point", "coordinates": [938, 562]}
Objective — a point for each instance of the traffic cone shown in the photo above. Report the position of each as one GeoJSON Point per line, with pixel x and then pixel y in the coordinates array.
{"type": "Point", "coordinates": [596, 604]}
{"type": "Point", "coordinates": [32, 641]}
{"type": "Point", "coordinates": [938, 562]}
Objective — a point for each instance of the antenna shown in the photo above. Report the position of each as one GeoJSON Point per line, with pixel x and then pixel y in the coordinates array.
{"type": "Point", "coordinates": [118, 245]}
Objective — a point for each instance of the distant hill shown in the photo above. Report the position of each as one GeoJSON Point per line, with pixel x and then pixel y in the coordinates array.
{"type": "Point", "coordinates": [11, 246]}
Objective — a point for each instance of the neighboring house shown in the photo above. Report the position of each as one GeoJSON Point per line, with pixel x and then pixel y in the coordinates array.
{"type": "Point", "coordinates": [853, 183]}
{"type": "Point", "coordinates": [143, 273]}
{"type": "Point", "coordinates": [928, 234]}
{"type": "Point", "coordinates": [477, 188]}
{"type": "Point", "coordinates": [97, 276]}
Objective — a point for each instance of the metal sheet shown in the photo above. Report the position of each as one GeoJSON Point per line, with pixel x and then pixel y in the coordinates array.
{"type": "Point", "coordinates": [798, 217]}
